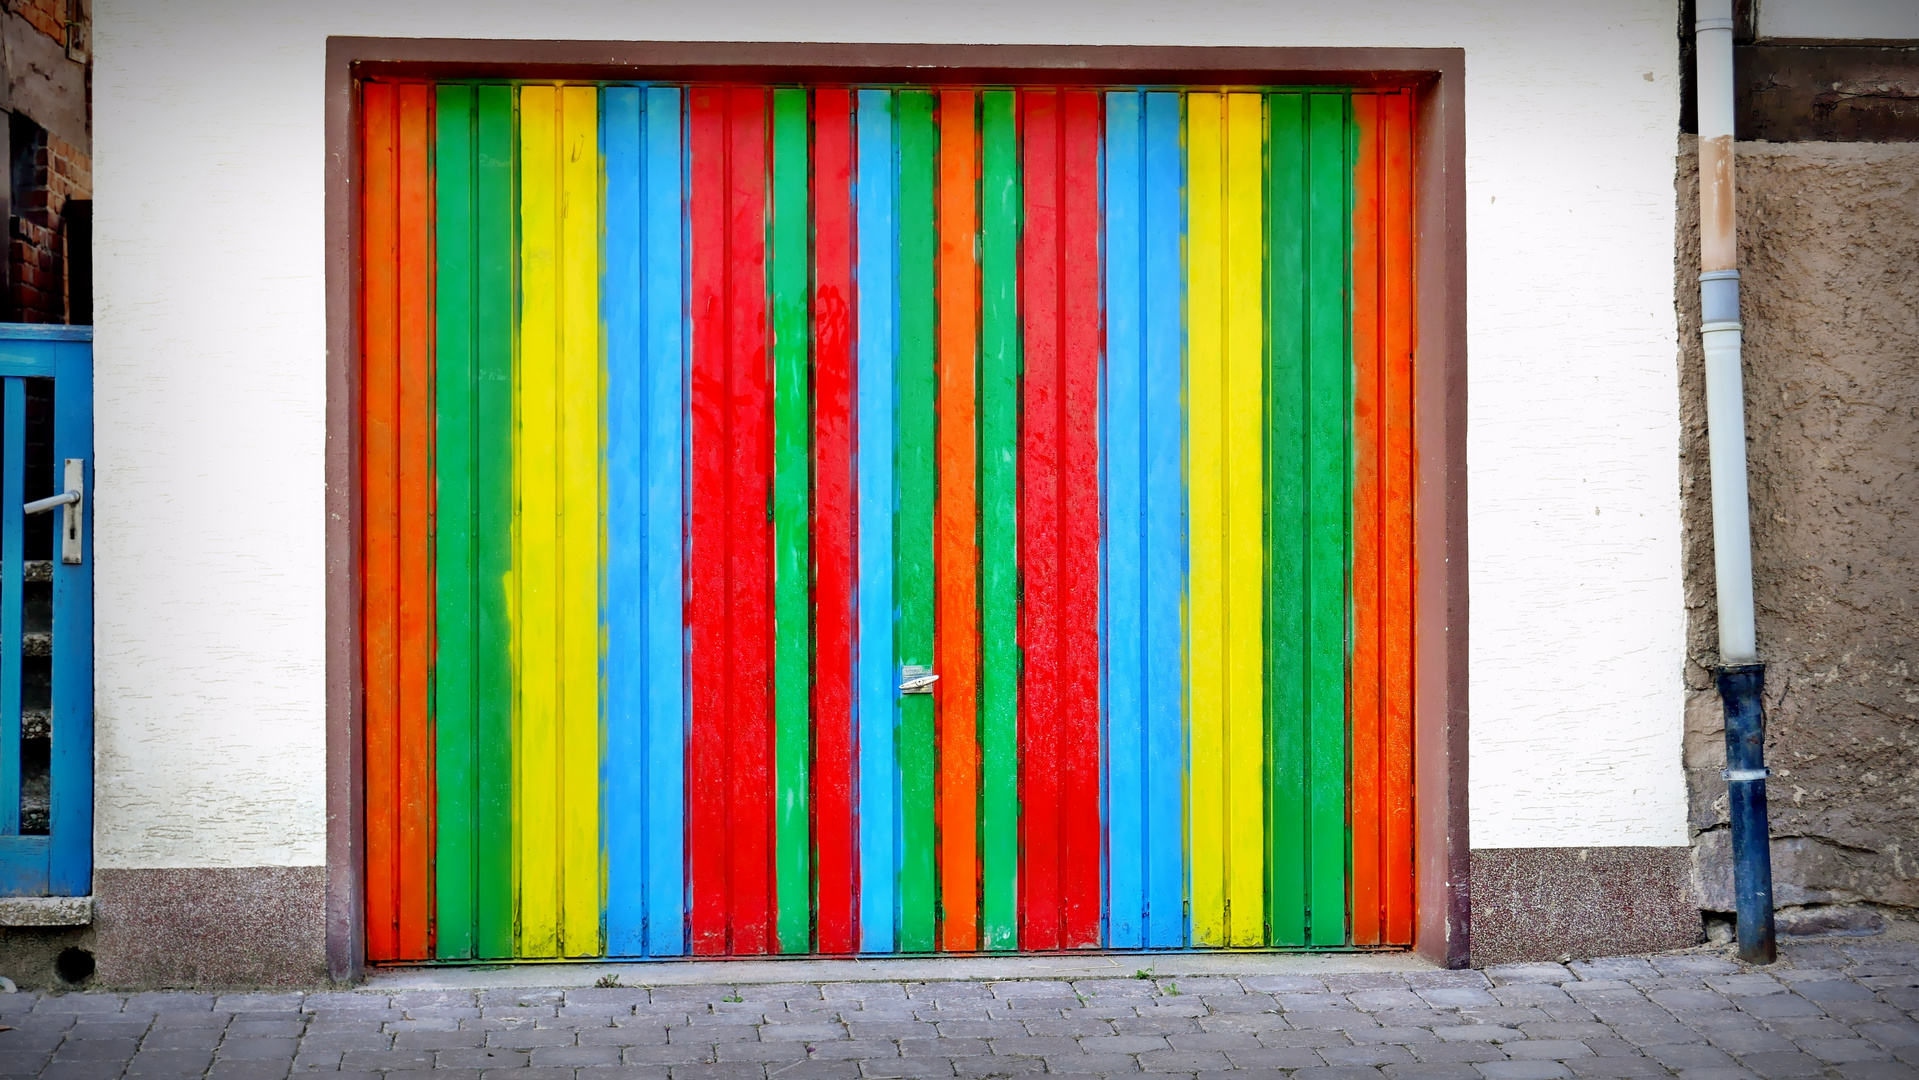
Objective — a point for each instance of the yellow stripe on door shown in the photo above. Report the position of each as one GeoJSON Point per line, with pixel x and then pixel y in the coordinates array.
{"type": "Point", "coordinates": [1226, 334]}
{"type": "Point", "coordinates": [556, 477]}
{"type": "Point", "coordinates": [1205, 323]}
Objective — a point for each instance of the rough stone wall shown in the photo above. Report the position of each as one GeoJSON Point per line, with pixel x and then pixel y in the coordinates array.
{"type": "Point", "coordinates": [1829, 262]}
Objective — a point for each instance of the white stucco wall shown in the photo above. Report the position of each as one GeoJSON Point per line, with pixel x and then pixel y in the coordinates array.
{"type": "Point", "coordinates": [211, 359]}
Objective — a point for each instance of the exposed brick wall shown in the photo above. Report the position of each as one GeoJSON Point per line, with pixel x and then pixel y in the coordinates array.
{"type": "Point", "coordinates": [47, 16]}
{"type": "Point", "coordinates": [56, 173]}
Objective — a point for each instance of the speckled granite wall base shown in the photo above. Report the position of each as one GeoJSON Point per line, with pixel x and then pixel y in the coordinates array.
{"type": "Point", "coordinates": [186, 927]}
{"type": "Point", "coordinates": [1548, 903]}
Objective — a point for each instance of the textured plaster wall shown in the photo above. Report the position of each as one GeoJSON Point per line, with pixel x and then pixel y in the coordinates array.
{"type": "Point", "coordinates": [1828, 245]}
{"type": "Point", "coordinates": [211, 360]}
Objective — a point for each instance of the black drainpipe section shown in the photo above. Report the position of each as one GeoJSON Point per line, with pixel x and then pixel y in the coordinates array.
{"type": "Point", "coordinates": [1740, 688]}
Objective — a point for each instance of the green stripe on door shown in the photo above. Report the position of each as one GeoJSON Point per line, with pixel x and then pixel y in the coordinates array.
{"type": "Point", "coordinates": [915, 450]}
{"type": "Point", "coordinates": [999, 523]}
{"type": "Point", "coordinates": [792, 586]}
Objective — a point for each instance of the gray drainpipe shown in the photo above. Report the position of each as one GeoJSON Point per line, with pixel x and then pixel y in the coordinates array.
{"type": "Point", "coordinates": [1741, 677]}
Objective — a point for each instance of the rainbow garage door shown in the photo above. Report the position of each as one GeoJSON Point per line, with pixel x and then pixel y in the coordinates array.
{"type": "Point", "coordinates": [829, 520]}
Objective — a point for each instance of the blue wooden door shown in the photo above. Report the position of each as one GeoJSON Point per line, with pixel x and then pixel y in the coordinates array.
{"type": "Point", "coordinates": [46, 610]}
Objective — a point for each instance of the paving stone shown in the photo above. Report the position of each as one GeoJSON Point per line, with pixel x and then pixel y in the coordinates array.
{"type": "Point", "coordinates": [1284, 984]}
{"type": "Point", "coordinates": [70, 1004]}
{"type": "Point", "coordinates": [1383, 999]}
{"type": "Point", "coordinates": [1542, 1049]}
{"type": "Point", "coordinates": [1247, 1002]}
{"type": "Point", "coordinates": [1211, 1040]}
{"type": "Point", "coordinates": [1070, 1026]}
{"type": "Point", "coordinates": [1838, 1050]}
{"type": "Point", "coordinates": [1458, 1070]}
{"type": "Point", "coordinates": [191, 1038]}
{"type": "Point", "coordinates": [1308, 1002]}
{"type": "Point", "coordinates": [1687, 1001]}
{"type": "Point", "coordinates": [1181, 1060]}
{"type": "Point", "coordinates": [1689, 1056]}
{"type": "Point", "coordinates": [256, 1049]}
{"type": "Point", "coordinates": [483, 1058]}
{"type": "Point", "coordinates": [1400, 1036]}
{"type": "Point", "coordinates": [1876, 1070]}
{"type": "Point", "coordinates": [1616, 968]}
{"type": "Point", "coordinates": [93, 1069]}
{"type": "Point", "coordinates": [343, 1001]}
{"type": "Point", "coordinates": [1444, 977]}
{"type": "Point", "coordinates": [1364, 980]}
{"type": "Point", "coordinates": [1478, 1033]}
{"type": "Point", "coordinates": [1549, 1029]}
{"type": "Point", "coordinates": [526, 1038]}
{"type": "Point", "coordinates": [1529, 994]}
{"type": "Point", "coordinates": [383, 1060]}
{"type": "Point", "coordinates": [250, 1070]}
{"type": "Point", "coordinates": [1863, 1012]}
{"type": "Point", "coordinates": [169, 1001]}
{"type": "Point", "coordinates": [953, 1048]}
{"type": "Point", "coordinates": [1617, 1067]}
{"type": "Point", "coordinates": [1892, 1035]}
{"type": "Point", "coordinates": [1754, 1041]}
{"type": "Point", "coordinates": [1373, 1054]}
{"type": "Point", "coordinates": [338, 1040]}
{"type": "Point", "coordinates": [1285, 1057]}
{"type": "Point", "coordinates": [1811, 1028]}
{"type": "Point", "coordinates": [1611, 1047]}
{"type": "Point", "coordinates": [1504, 1016]}
{"type": "Point", "coordinates": [1078, 1063]}
{"type": "Point", "coordinates": [1522, 1070]}
{"type": "Point", "coordinates": [731, 1070]}
{"type": "Point", "coordinates": [1778, 1065]}
{"type": "Point", "coordinates": [1457, 1051]}
{"type": "Point", "coordinates": [854, 1049]}
{"type": "Point", "coordinates": [1312, 1039]}
{"type": "Point", "coordinates": [796, 1070]}
{"type": "Point", "coordinates": [667, 1054]}
{"type": "Point", "coordinates": [1503, 974]}
{"type": "Point", "coordinates": [1778, 1005]}
{"type": "Point", "coordinates": [1457, 997]}
{"type": "Point", "coordinates": [1744, 985]}
{"type": "Point", "coordinates": [1338, 1072]}
{"type": "Point", "coordinates": [77, 1049]}
{"type": "Point", "coordinates": [979, 1067]}
{"type": "Point", "coordinates": [170, 1062]}
{"type": "Point", "coordinates": [1832, 988]}
{"type": "Point", "coordinates": [906, 1068]}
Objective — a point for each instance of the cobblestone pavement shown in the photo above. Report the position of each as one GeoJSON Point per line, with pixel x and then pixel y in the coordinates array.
{"type": "Point", "coordinates": [1832, 1010]}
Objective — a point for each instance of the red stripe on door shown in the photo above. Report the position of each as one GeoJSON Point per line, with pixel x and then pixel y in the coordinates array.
{"type": "Point", "coordinates": [833, 519]}
{"type": "Point", "coordinates": [729, 754]}
{"type": "Point", "coordinates": [1059, 523]}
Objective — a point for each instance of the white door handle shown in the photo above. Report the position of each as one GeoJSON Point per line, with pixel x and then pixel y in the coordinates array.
{"type": "Point", "coordinates": [74, 520]}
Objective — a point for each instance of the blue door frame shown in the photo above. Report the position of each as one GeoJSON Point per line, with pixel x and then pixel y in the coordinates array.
{"type": "Point", "coordinates": [59, 862]}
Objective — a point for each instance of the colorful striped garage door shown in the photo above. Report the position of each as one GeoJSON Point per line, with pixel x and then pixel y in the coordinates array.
{"type": "Point", "coordinates": [885, 520]}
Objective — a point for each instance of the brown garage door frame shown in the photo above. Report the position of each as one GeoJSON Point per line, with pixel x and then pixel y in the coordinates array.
{"type": "Point", "coordinates": [1439, 361]}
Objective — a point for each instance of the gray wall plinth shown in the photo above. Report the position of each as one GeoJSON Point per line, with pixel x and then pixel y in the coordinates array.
{"type": "Point", "coordinates": [212, 927]}
{"type": "Point", "coordinates": [1549, 903]}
